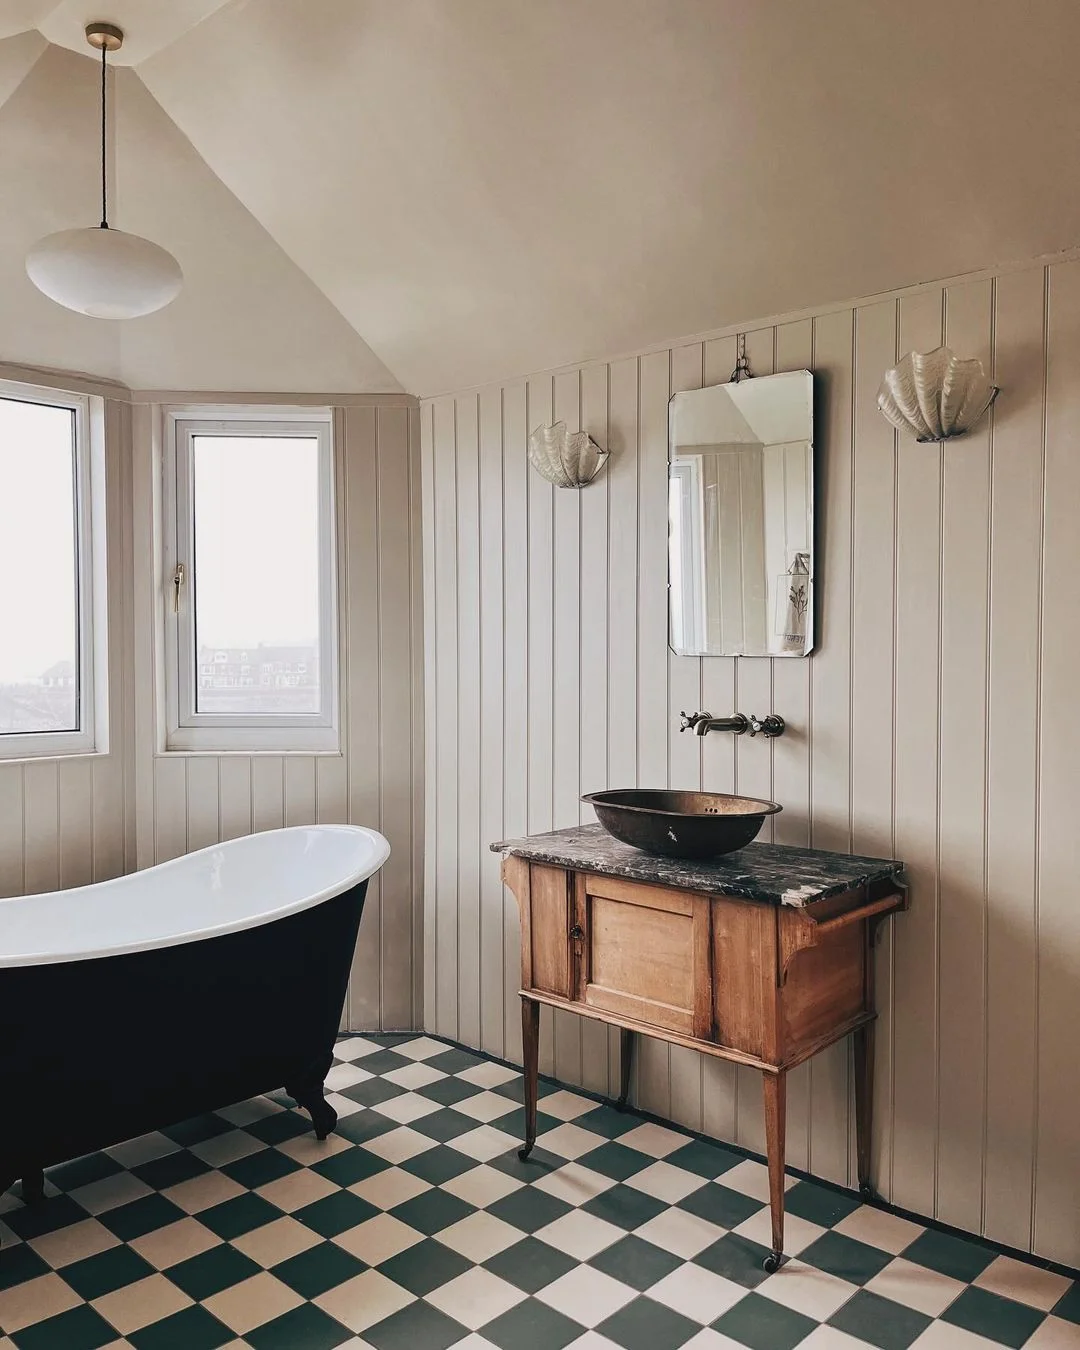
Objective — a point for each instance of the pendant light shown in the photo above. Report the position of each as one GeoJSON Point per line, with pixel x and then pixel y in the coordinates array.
{"type": "Point", "coordinates": [98, 270]}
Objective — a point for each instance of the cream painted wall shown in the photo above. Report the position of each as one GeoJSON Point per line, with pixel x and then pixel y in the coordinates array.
{"type": "Point", "coordinates": [935, 723]}
{"type": "Point", "coordinates": [67, 822]}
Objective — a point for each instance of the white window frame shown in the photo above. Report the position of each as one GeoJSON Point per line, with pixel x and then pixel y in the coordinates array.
{"type": "Point", "coordinates": [187, 730]}
{"type": "Point", "coordinates": [91, 736]}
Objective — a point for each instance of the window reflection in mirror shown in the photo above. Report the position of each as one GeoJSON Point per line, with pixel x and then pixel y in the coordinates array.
{"type": "Point", "coordinates": [741, 518]}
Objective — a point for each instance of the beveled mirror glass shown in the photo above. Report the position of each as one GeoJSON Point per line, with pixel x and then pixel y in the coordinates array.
{"type": "Point", "coordinates": [741, 518]}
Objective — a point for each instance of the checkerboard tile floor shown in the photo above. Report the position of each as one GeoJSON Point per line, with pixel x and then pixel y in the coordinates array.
{"type": "Point", "coordinates": [416, 1227]}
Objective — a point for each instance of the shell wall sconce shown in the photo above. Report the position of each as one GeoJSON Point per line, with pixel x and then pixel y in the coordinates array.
{"type": "Point", "coordinates": [569, 459]}
{"type": "Point", "coordinates": [934, 395]}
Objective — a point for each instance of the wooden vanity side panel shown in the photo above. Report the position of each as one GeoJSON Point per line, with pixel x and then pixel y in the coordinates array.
{"type": "Point", "coordinates": [549, 929]}
{"type": "Point", "coordinates": [825, 989]}
{"type": "Point", "coordinates": [744, 976]}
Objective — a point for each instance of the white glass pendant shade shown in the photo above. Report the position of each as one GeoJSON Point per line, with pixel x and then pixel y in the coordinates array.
{"type": "Point", "coordinates": [569, 459]}
{"type": "Point", "coordinates": [934, 395]}
{"type": "Point", "coordinates": [105, 273]}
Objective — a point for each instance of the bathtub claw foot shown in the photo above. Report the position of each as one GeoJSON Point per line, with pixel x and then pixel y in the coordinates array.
{"type": "Point", "coordinates": [323, 1116]}
{"type": "Point", "coordinates": [33, 1187]}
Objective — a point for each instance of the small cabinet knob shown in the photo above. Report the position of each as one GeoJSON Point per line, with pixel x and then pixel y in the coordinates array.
{"type": "Point", "coordinates": [577, 933]}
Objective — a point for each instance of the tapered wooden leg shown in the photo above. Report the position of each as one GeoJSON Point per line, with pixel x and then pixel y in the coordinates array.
{"type": "Point", "coordinates": [627, 1041]}
{"type": "Point", "coordinates": [530, 1046]}
{"type": "Point", "coordinates": [864, 1104]}
{"type": "Point", "coordinates": [775, 1088]}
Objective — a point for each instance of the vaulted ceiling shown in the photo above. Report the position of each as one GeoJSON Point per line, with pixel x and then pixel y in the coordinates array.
{"type": "Point", "coordinates": [430, 194]}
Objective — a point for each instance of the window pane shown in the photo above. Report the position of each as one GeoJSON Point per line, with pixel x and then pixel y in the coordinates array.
{"type": "Point", "coordinates": [39, 603]}
{"type": "Point", "coordinates": [256, 574]}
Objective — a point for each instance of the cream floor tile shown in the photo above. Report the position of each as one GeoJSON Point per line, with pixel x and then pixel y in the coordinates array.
{"type": "Point", "coordinates": [364, 1300]}
{"type": "Point", "coordinates": [143, 1149]}
{"type": "Point", "coordinates": [829, 1338]}
{"type": "Point", "coordinates": [296, 1190]}
{"type": "Point", "coordinates": [488, 1075]}
{"type": "Point", "coordinates": [697, 1293]}
{"type": "Point", "coordinates": [482, 1186]}
{"type": "Point", "coordinates": [203, 1192]}
{"type": "Point", "coordinates": [110, 1192]}
{"type": "Point", "coordinates": [486, 1106]}
{"type": "Point", "coordinates": [473, 1342]}
{"type": "Point", "coordinates": [413, 1076]}
{"type": "Point", "coordinates": [592, 1340]}
{"type": "Point", "coordinates": [751, 1178]}
{"type": "Point", "coordinates": [916, 1287]}
{"type": "Point", "coordinates": [344, 1106]}
{"type": "Point", "coordinates": [398, 1146]}
{"type": "Point", "coordinates": [276, 1241]}
{"type": "Point", "coordinates": [355, 1047]}
{"type": "Point", "coordinates": [570, 1141]}
{"type": "Point", "coordinates": [574, 1184]}
{"type": "Point", "coordinates": [226, 1148]}
{"type": "Point", "coordinates": [307, 1150]}
{"type": "Point", "coordinates": [564, 1105]}
{"type": "Point", "coordinates": [1026, 1284]}
{"type": "Point", "coordinates": [246, 1113]}
{"type": "Point", "coordinates": [74, 1243]}
{"type": "Point", "coordinates": [944, 1336]}
{"type": "Point", "coordinates": [34, 1301]}
{"type": "Point", "coordinates": [665, 1182]}
{"type": "Point", "coordinates": [480, 1236]}
{"type": "Point", "coordinates": [680, 1233]}
{"type": "Point", "coordinates": [798, 1233]}
{"type": "Point", "coordinates": [655, 1140]}
{"type": "Point", "coordinates": [179, 1241]}
{"type": "Point", "coordinates": [408, 1107]}
{"type": "Point", "coordinates": [475, 1297]}
{"type": "Point", "coordinates": [346, 1075]}
{"type": "Point", "coordinates": [249, 1304]}
{"type": "Point", "coordinates": [1054, 1334]}
{"type": "Point", "coordinates": [587, 1296]}
{"type": "Point", "coordinates": [137, 1305]}
{"type": "Point", "coordinates": [888, 1232]}
{"type": "Point", "coordinates": [422, 1048]}
{"type": "Point", "coordinates": [579, 1234]}
{"type": "Point", "coordinates": [378, 1239]}
{"type": "Point", "coordinates": [807, 1290]}
{"type": "Point", "coordinates": [391, 1187]}
{"type": "Point", "coordinates": [486, 1142]}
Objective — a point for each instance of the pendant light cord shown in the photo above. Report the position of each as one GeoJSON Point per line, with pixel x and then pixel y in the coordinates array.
{"type": "Point", "coordinates": [104, 148]}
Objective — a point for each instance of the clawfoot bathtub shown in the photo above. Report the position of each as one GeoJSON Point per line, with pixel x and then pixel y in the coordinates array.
{"type": "Point", "coordinates": [132, 1004]}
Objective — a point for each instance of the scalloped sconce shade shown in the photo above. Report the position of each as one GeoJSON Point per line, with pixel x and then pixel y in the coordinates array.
{"type": "Point", "coordinates": [569, 459]}
{"type": "Point", "coordinates": [934, 395]}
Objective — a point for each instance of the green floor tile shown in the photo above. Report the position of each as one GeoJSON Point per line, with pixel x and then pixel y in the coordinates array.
{"type": "Point", "coordinates": [454, 1061]}
{"type": "Point", "coordinates": [258, 1169]}
{"type": "Point", "coordinates": [624, 1206]}
{"type": "Point", "coordinates": [616, 1161]}
{"type": "Point", "coordinates": [439, 1164]}
{"type": "Point", "coordinates": [998, 1319]}
{"type": "Point", "coordinates": [431, 1212]}
{"type": "Point", "coordinates": [350, 1166]}
{"type": "Point", "coordinates": [721, 1205]}
{"type": "Point", "coordinates": [531, 1325]}
{"type": "Point", "coordinates": [880, 1321]}
{"type": "Point", "coordinates": [1068, 1306]}
{"type": "Point", "coordinates": [540, 1163]}
{"type": "Point", "coordinates": [82, 1171]}
{"type": "Point", "coordinates": [202, 1276]}
{"type": "Point", "coordinates": [198, 1129]}
{"type": "Point", "coordinates": [950, 1255]}
{"type": "Point", "coordinates": [705, 1160]}
{"type": "Point", "coordinates": [635, 1262]}
{"type": "Point", "coordinates": [443, 1125]}
{"type": "Point", "coordinates": [106, 1271]}
{"type": "Point", "coordinates": [142, 1216]}
{"type": "Point", "coordinates": [736, 1258]}
{"type": "Point", "coordinates": [31, 1221]}
{"type": "Point", "coordinates": [335, 1213]}
{"type": "Point", "coordinates": [372, 1092]}
{"type": "Point", "coordinates": [239, 1215]}
{"type": "Point", "coordinates": [19, 1264]}
{"type": "Point", "coordinates": [529, 1209]}
{"type": "Point", "coordinates": [276, 1129]}
{"type": "Point", "coordinates": [171, 1170]}
{"type": "Point", "coordinates": [530, 1265]}
{"type": "Point", "coordinates": [303, 1328]}
{"type": "Point", "coordinates": [363, 1126]}
{"type": "Point", "coordinates": [80, 1328]}
{"type": "Point", "coordinates": [320, 1268]}
{"type": "Point", "coordinates": [764, 1325]}
{"type": "Point", "coordinates": [819, 1204]}
{"type": "Point", "coordinates": [514, 1088]}
{"type": "Point", "coordinates": [417, 1327]}
{"type": "Point", "coordinates": [608, 1121]}
{"type": "Point", "coordinates": [513, 1123]}
{"type": "Point", "coordinates": [190, 1329]}
{"type": "Point", "coordinates": [449, 1091]}
{"type": "Point", "coordinates": [385, 1061]}
{"type": "Point", "coordinates": [425, 1266]}
{"type": "Point", "coordinates": [646, 1325]}
{"type": "Point", "coordinates": [844, 1257]}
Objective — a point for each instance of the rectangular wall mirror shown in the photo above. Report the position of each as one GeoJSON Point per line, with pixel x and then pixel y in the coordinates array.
{"type": "Point", "coordinates": [741, 518]}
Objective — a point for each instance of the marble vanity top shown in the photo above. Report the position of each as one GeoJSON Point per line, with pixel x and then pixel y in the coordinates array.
{"type": "Point", "coordinates": [776, 873]}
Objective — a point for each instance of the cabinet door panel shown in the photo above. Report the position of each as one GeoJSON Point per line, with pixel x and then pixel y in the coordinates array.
{"type": "Point", "coordinates": [549, 927]}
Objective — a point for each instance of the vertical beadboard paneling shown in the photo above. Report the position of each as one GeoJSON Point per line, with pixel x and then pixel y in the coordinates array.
{"type": "Point", "coordinates": [932, 722]}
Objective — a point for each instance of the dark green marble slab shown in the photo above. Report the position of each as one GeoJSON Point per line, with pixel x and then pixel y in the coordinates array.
{"type": "Point", "coordinates": [775, 873]}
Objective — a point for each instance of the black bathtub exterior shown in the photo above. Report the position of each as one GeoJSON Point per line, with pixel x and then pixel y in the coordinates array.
{"type": "Point", "coordinates": [144, 1040]}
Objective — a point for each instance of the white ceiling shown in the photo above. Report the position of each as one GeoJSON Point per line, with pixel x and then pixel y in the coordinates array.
{"type": "Point", "coordinates": [483, 188]}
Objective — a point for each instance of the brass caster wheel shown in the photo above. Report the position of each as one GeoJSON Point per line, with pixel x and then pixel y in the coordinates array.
{"type": "Point", "coordinates": [867, 1192]}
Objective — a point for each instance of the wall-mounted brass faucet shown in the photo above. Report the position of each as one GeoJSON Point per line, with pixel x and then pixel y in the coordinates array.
{"type": "Point", "coordinates": [701, 723]}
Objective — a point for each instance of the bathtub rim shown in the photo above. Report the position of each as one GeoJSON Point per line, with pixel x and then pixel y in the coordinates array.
{"type": "Point", "coordinates": [380, 853]}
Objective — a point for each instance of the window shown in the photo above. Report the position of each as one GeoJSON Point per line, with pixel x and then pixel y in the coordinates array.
{"type": "Point", "coordinates": [52, 622]}
{"type": "Point", "coordinates": [251, 636]}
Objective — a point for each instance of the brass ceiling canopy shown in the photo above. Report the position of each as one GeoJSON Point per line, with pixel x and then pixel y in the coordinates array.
{"type": "Point", "coordinates": [105, 37]}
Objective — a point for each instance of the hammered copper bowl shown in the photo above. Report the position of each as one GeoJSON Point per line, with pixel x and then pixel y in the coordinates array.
{"type": "Point", "coordinates": [689, 825]}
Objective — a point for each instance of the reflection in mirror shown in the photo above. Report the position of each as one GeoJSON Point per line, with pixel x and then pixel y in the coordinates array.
{"type": "Point", "coordinates": [741, 518]}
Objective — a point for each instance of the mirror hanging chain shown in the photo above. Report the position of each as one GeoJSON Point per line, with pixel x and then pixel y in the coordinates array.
{"type": "Point", "coordinates": [742, 369]}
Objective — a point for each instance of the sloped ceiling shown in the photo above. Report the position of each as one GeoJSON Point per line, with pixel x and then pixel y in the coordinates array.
{"type": "Point", "coordinates": [487, 187]}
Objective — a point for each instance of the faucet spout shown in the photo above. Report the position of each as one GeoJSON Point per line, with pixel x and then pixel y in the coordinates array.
{"type": "Point", "coordinates": [701, 723]}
